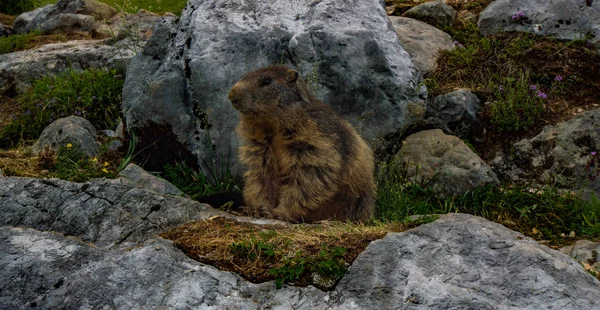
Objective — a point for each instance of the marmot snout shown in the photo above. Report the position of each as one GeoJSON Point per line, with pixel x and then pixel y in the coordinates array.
{"type": "Point", "coordinates": [304, 162]}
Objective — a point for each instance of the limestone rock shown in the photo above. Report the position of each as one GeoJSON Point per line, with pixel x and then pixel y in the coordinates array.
{"type": "Point", "coordinates": [177, 88]}
{"type": "Point", "coordinates": [19, 69]}
{"type": "Point", "coordinates": [465, 262]}
{"type": "Point", "coordinates": [454, 112]}
{"type": "Point", "coordinates": [134, 175]}
{"type": "Point", "coordinates": [436, 13]}
{"type": "Point", "coordinates": [103, 211]}
{"type": "Point", "coordinates": [66, 15]}
{"type": "Point", "coordinates": [442, 162]}
{"type": "Point", "coordinates": [73, 129]}
{"type": "Point", "coordinates": [564, 19]}
{"type": "Point", "coordinates": [421, 41]}
{"type": "Point", "coordinates": [586, 253]}
{"type": "Point", "coordinates": [568, 154]}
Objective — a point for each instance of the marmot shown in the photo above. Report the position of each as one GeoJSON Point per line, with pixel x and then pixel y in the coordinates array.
{"type": "Point", "coordinates": [304, 162]}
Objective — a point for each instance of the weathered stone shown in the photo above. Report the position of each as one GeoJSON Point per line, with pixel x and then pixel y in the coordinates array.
{"type": "Point", "coordinates": [421, 41]}
{"type": "Point", "coordinates": [19, 69]}
{"type": "Point", "coordinates": [459, 261]}
{"type": "Point", "coordinates": [564, 19]}
{"type": "Point", "coordinates": [465, 262]}
{"type": "Point", "coordinates": [68, 22]}
{"type": "Point", "coordinates": [134, 175]}
{"type": "Point", "coordinates": [177, 88]}
{"type": "Point", "coordinates": [454, 112]}
{"type": "Point", "coordinates": [566, 154]}
{"type": "Point", "coordinates": [103, 211]}
{"type": "Point", "coordinates": [73, 129]}
{"type": "Point", "coordinates": [436, 13]}
{"type": "Point", "coordinates": [138, 26]}
{"type": "Point", "coordinates": [65, 15]}
{"type": "Point", "coordinates": [93, 8]}
{"type": "Point", "coordinates": [443, 162]}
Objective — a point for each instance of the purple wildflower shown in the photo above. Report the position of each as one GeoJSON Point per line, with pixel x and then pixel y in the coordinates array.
{"type": "Point", "coordinates": [532, 87]}
{"type": "Point", "coordinates": [518, 15]}
{"type": "Point", "coordinates": [77, 113]}
{"type": "Point", "coordinates": [500, 88]}
{"type": "Point", "coordinates": [542, 94]}
{"type": "Point", "coordinates": [28, 112]}
{"type": "Point", "coordinates": [558, 78]}
{"type": "Point", "coordinates": [13, 116]}
{"type": "Point", "coordinates": [593, 153]}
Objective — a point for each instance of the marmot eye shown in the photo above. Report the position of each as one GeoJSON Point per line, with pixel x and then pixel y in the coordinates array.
{"type": "Point", "coordinates": [265, 81]}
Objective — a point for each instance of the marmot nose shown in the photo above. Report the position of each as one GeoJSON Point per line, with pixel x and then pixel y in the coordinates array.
{"type": "Point", "coordinates": [236, 94]}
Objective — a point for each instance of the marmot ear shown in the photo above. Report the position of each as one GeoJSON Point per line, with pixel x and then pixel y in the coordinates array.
{"type": "Point", "coordinates": [291, 76]}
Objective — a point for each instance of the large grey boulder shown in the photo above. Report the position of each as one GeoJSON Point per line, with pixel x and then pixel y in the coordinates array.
{"type": "Point", "coordinates": [454, 113]}
{"type": "Point", "coordinates": [75, 130]}
{"type": "Point", "coordinates": [175, 95]}
{"type": "Point", "coordinates": [564, 19]}
{"type": "Point", "coordinates": [442, 162]}
{"type": "Point", "coordinates": [436, 13]}
{"type": "Point", "coordinates": [18, 70]}
{"type": "Point", "coordinates": [421, 41]}
{"type": "Point", "coordinates": [566, 154]}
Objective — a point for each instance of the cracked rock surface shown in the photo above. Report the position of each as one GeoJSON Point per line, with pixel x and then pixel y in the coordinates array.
{"type": "Point", "coordinates": [56, 253]}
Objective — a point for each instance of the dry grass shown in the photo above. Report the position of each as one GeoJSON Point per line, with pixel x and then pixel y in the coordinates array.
{"type": "Point", "coordinates": [20, 162]}
{"type": "Point", "coordinates": [209, 241]}
{"type": "Point", "coordinates": [7, 19]}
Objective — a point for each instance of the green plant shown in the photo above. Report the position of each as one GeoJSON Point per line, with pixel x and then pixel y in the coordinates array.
{"type": "Point", "coordinates": [291, 270]}
{"type": "Point", "coordinates": [74, 165]}
{"type": "Point", "coordinates": [194, 184]}
{"type": "Point", "coordinates": [518, 104]}
{"type": "Point", "coordinates": [16, 7]}
{"type": "Point", "coordinates": [93, 94]}
{"type": "Point", "coordinates": [16, 42]}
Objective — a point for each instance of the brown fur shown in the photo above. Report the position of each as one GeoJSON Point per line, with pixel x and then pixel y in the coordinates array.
{"type": "Point", "coordinates": [305, 163]}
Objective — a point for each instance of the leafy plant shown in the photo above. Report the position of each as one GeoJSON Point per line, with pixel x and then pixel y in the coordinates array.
{"type": "Point", "coordinates": [93, 94]}
{"type": "Point", "coordinates": [73, 165]}
{"type": "Point", "coordinates": [195, 184]}
{"type": "Point", "coordinates": [16, 42]}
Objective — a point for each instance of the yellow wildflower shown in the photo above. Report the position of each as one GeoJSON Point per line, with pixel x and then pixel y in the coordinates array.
{"type": "Point", "coordinates": [69, 145]}
{"type": "Point", "coordinates": [95, 159]}
{"type": "Point", "coordinates": [104, 170]}
{"type": "Point", "coordinates": [106, 164]}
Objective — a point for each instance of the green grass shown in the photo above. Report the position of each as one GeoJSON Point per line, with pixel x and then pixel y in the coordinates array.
{"type": "Point", "coordinates": [197, 185]}
{"type": "Point", "coordinates": [92, 94]}
{"type": "Point", "coordinates": [132, 6]}
{"type": "Point", "coordinates": [16, 42]}
{"type": "Point", "coordinates": [541, 213]}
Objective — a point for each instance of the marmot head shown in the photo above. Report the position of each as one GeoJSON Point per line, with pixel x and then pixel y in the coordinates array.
{"type": "Point", "coordinates": [269, 91]}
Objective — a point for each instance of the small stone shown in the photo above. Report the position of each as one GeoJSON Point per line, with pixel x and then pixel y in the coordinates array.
{"type": "Point", "coordinates": [572, 234]}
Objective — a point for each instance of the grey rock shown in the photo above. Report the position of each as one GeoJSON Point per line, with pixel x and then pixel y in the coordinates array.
{"type": "Point", "coordinates": [453, 112]}
{"type": "Point", "coordinates": [103, 211]}
{"type": "Point", "coordinates": [564, 19]}
{"type": "Point", "coordinates": [134, 175]}
{"type": "Point", "coordinates": [18, 70]}
{"type": "Point", "coordinates": [436, 13]}
{"type": "Point", "coordinates": [73, 129]}
{"type": "Point", "coordinates": [443, 162]}
{"type": "Point", "coordinates": [561, 154]}
{"type": "Point", "coordinates": [65, 15]}
{"type": "Point", "coordinates": [93, 8]}
{"type": "Point", "coordinates": [5, 30]}
{"type": "Point", "coordinates": [585, 252]}
{"type": "Point", "coordinates": [457, 262]}
{"type": "Point", "coordinates": [67, 22]}
{"type": "Point", "coordinates": [138, 26]}
{"type": "Point", "coordinates": [421, 41]}
{"type": "Point", "coordinates": [465, 262]}
{"type": "Point", "coordinates": [347, 50]}
{"type": "Point", "coordinates": [22, 21]}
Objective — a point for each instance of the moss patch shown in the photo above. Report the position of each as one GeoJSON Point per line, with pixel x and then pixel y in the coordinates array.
{"type": "Point", "coordinates": [267, 252]}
